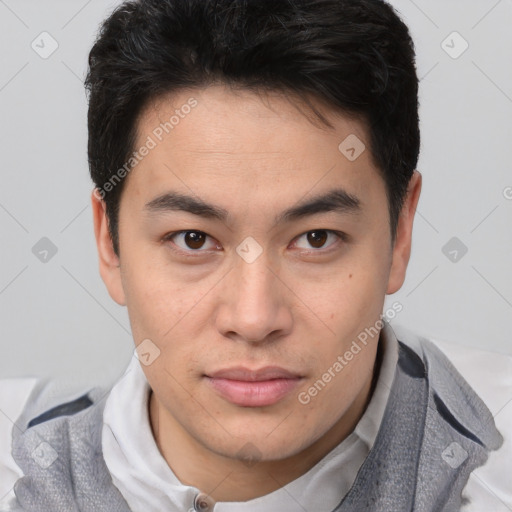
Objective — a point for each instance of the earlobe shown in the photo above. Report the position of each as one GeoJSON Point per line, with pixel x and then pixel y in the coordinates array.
{"type": "Point", "coordinates": [109, 264]}
{"type": "Point", "coordinates": [402, 247]}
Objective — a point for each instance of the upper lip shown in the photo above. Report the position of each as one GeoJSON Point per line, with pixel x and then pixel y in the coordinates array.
{"type": "Point", "coordinates": [261, 374]}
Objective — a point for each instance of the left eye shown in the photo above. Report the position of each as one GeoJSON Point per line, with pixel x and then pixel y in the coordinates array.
{"type": "Point", "coordinates": [191, 240]}
{"type": "Point", "coordinates": [317, 238]}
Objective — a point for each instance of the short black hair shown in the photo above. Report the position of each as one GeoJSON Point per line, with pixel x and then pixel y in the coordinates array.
{"type": "Point", "coordinates": [356, 56]}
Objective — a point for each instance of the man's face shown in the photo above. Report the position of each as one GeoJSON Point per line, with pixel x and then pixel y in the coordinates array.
{"type": "Point", "coordinates": [254, 289]}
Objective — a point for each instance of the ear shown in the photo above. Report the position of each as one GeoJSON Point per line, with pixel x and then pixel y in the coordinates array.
{"type": "Point", "coordinates": [110, 269]}
{"type": "Point", "coordinates": [402, 247]}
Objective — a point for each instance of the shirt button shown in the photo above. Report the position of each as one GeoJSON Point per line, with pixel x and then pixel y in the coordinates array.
{"type": "Point", "coordinates": [204, 503]}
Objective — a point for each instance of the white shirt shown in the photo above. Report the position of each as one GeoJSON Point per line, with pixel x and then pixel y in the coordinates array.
{"type": "Point", "coordinates": [149, 485]}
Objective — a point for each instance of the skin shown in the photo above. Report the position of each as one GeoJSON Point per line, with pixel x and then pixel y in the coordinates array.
{"type": "Point", "coordinates": [298, 306]}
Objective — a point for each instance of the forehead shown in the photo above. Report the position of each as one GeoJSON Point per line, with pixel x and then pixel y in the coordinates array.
{"type": "Point", "coordinates": [219, 141]}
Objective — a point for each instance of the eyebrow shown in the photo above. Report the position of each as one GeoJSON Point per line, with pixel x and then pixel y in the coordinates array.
{"type": "Point", "coordinates": [337, 200]}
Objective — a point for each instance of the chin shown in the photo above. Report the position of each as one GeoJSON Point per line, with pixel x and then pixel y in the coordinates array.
{"type": "Point", "coordinates": [257, 445]}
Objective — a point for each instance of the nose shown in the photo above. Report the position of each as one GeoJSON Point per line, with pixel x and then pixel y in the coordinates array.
{"type": "Point", "coordinates": [254, 305]}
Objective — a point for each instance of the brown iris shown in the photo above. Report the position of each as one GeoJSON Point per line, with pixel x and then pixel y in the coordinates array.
{"type": "Point", "coordinates": [194, 239]}
{"type": "Point", "coordinates": [317, 238]}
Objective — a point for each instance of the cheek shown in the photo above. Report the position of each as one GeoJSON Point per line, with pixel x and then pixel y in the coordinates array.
{"type": "Point", "coordinates": [351, 306]}
{"type": "Point", "coordinates": [154, 301]}
{"type": "Point", "coordinates": [350, 294]}
{"type": "Point", "coordinates": [166, 311]}
{"type": "Point", "coordinates": [369, 271]}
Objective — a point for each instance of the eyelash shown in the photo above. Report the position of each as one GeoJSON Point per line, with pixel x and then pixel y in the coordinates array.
{"type": "Point", "coordinates": [193, 253]}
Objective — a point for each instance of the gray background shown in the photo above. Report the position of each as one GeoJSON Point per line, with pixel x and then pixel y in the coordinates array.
{"type": "Point", "coordinates": [56, 316]}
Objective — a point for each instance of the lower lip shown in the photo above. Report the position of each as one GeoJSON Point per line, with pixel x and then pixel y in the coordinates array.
{"type": "Point", "coordinates": [253, 394]}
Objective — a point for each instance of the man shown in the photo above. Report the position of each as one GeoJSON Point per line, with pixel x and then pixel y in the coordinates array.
{"type": "Point", "coordinates": [255, 190]}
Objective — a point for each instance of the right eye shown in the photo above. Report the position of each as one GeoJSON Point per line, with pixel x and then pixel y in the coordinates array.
{"type": "Point", "coordinates": [190, 241]}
